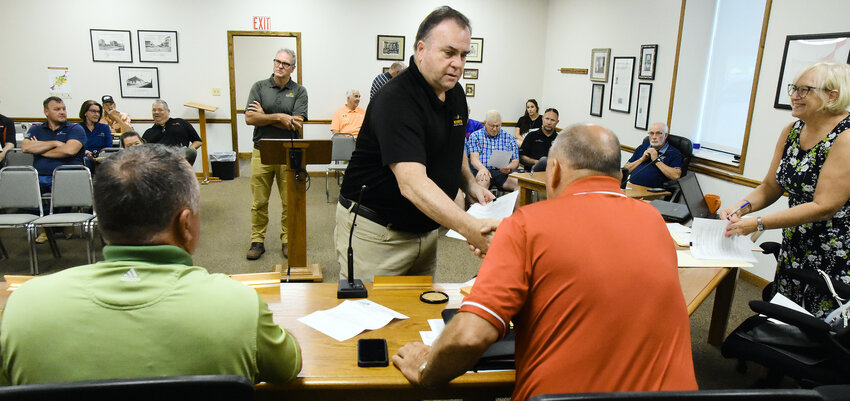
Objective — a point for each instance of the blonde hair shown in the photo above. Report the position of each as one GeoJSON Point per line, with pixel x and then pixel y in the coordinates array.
{"type": "Point", "coordinates": [830, 77]}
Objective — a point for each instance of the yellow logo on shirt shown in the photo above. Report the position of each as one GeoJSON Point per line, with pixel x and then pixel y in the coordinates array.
{"type": "Point", "coordinates": [290, 94]}
{"type": "Point", "coordinates": [458, 122]}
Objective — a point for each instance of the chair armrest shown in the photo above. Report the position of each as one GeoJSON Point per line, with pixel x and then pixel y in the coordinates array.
{"type": "Point", "coordinates": [783, 314]}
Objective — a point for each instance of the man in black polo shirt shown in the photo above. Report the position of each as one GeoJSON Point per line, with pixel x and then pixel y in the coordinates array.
{"type": "Point", "coordinates": [409, 157]}
{"type": "Point", "coordinates": [172, 131]}
{"type": "Point", "coordinates": [537, 143]}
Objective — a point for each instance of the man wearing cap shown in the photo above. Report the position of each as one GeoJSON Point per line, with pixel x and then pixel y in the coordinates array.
{"type": "Point", "coordinates": [118, 122]}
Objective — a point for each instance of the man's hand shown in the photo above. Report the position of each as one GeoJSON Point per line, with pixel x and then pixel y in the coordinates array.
{"type": "Point", "coordinates": [506, 170]}
{"type": "Point", "coordinates": [651, 153]}
{"type": "Point", "coordinates": [409, 358]}
{"type": "Point", "coordinates": [89, 155]}
{"type": "Point", "coordinates": [256, 107]}
{"type": "Point", "coordinates": [483, 174]}
{"type": "Point", "coordinates": [479, 242]}
{"type": "Point", "coordinates": [480, 194]}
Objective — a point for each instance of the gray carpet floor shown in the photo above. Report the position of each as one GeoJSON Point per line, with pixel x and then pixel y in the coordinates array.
{"type": "Point", "coordinates": [225, 238]}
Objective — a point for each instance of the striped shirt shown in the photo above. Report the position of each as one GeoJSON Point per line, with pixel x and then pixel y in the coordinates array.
{"type": "Point", "coordinates": [480, 141]}
{"type": "Point", "coordinates": [379, 81]}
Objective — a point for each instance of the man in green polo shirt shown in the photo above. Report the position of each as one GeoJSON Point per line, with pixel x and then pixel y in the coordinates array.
{"type": "Point", "coordinates": [145, 311]}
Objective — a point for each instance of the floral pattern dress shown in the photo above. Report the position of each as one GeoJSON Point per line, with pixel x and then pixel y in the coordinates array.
{"type": "Point", "coordinates": [821, 244]}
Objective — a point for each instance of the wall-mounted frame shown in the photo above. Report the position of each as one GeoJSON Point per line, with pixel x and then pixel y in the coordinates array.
{"type": "Point", "coordinates": [476, 51]}
{"type": "Point", "coordinates": [804, 50]}
{"type": "Point", "coordinates": [599, 61]}
{"type": "Point", "coordinates": [470, 90]}
{"type": "Point", "coordinates": [111, 46]}
{"type": "Point", "coordinates": [390, 47]}
{"type": "Point", "coordinates": [648, 54]}
{"type": "Point", "coordinates": [470, 73]}
{"type": "Point", "coordinates": [644, 100]}
{"type": "Point", "coordinates": [157, 46]}
{"type": "Point", "coordinates": [597, 95]}
{"type": "Point", "coordinates": [385, 69]}
{"type": "Point", "coordinates": [622, 75]}
{"type": "Point", "coordinates": [139, 82]}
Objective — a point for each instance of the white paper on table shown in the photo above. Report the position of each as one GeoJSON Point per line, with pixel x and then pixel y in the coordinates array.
{"type": "Point", "coordinates": [428, 337]}
{"type": "Point", "coordinates": [499, 208]}
{"type": "Point", "coordinates": [437, 326]}
{"type": "Point", "coordinates": [781, 300]}
{"type": "Point", "coordinates": [710, 242]}
{"type": "Point", "coordinates": [350, 318]}
{"type": "Point", "coordinates": [677, 228]}
{"type": "Point", "coordinates": [500, 158]}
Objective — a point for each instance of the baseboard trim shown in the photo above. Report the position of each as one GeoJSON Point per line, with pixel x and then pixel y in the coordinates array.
{"type": "Point", "coordinates": [753, 279]}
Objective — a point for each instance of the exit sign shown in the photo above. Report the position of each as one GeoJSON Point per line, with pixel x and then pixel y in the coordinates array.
{"type": "Point", "coordinates": [262, 23]}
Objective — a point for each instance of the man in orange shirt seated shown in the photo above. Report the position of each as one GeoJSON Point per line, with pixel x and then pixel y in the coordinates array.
{"type": "Point", "coordinates": [587, 318]}
{"type": "Point", "coordinates": [349, 118]}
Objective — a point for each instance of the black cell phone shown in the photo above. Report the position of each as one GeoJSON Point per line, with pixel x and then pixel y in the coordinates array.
{"type": "Point", "coordinates": [372, 352]}
{"type": "Point", "coordinates": [655, 189]}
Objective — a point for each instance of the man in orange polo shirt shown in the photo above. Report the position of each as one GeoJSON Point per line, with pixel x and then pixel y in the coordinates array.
{"type": "Point", "coordinates": [349, 118]}
{"type": "Point", "coordinates": [595, 307]}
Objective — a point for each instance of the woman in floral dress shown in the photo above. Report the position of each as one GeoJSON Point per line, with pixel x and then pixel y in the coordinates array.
{"type": "Point", "coordinates": [811, 162]}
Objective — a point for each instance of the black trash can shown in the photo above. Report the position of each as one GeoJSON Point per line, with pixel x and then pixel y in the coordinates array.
{"type": "Point", "coordinates": [223, 165]}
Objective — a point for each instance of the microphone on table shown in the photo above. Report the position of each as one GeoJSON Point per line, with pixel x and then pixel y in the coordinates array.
{"type": "Point", "coordinates": [540, 165]}
{"type": "Point", "coordinates": [352, 288]}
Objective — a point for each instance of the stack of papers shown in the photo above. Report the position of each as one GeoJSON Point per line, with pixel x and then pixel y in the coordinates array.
{"type": "Point", "coordinates": [500, 208]}
{"type": "Point", "coordinates": [351, 318]}
{"type": "Point", "coordinates": [681, 234]}
{"type": "Point", "coordinates": [709, 241]}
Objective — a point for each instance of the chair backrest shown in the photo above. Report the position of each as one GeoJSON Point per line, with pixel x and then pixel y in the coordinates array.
{"type": "Point", "coordinates": [109, 151]}
{"type": "Point", "coordinates": [19, 188]}
{"type": "Point", "coordinates": [684, 145]}
{"type": "Point", "coordinates": [342, 147]}
{"type": "Point", "coordinates": [701, 395]}
{"type": "Point", "coordinates": [208, 388]}
{"type": "Point", "coordinates": [71, 187]}
{"type": "Point", "coordinates": [16, 157]}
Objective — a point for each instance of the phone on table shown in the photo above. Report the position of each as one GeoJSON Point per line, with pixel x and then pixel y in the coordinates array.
{"type": "Point", "coordinates": [372, 352]}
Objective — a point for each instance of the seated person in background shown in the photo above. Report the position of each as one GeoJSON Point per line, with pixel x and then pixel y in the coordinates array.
{"type": "Point", "coordinates": [349, 118]}
{"type": "Point", "coordinates": [536, 144]}
{"type": "Point", "coordinates": [655, 162]}
{"type": "Point", "coordinates": [385, 77]}
{"type": "Point", "coordinates": [472, 125]}
{"type": "Point", "coordinates": [172, 131]}
{"type": "Point", "coordinates": [98, 135]}
{"type": "Point", "coordinates": [117, 121]}
{"type": "Point", "coordinates": [560, 285]}
{"type": "Point", "coordinates": [529, 122]}
{"type": "Point", "coordinates": [54, 143]}
{"type": "Point", "coordinates": [130, 139]}
{"type": "Point", "coordinates": [145, 311]}
{"type": "Point", "coordinates": [7, 137]}
{"type": "Point", "coordinates": [481, 145]}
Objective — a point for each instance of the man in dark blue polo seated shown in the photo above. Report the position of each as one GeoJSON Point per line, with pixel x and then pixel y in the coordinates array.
{"type": "Point", "coordinates": [655, 162]}
{"type": "Point", "coordinates": [54, 143]}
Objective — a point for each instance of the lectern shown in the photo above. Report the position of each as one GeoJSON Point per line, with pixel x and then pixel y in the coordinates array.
{"type": "Point", "coordinates": [312, 151]}
{"type": "Point", "coordinates": [205, 158]}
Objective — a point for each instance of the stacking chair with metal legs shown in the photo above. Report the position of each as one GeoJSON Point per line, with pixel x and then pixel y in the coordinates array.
{"type": "Point", "coordinates": [20, 194]}
{"type": "Point", "coordinates": [72, 189]}
{"type": "Point", "coordinates": [341, 150]}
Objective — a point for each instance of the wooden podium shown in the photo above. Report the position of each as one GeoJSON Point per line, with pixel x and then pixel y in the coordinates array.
{"type": "Point", "coordinates": [313, 151]}
{"type": "Point", "coordinates": [205, 158]}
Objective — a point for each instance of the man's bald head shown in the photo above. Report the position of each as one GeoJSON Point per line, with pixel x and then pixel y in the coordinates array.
{"type": "Point", "coordinates": [588, 147]}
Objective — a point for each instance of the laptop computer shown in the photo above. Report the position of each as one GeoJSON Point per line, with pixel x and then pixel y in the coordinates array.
{"type": "Point", "coordinates": [694, 197]}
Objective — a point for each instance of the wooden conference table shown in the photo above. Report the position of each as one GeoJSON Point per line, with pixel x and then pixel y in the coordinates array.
{"type": "Point", "coordinates": [529, 183]}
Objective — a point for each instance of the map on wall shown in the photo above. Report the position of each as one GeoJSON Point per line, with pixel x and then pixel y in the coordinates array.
{"type": "Point", "coordinates": [58, 82]}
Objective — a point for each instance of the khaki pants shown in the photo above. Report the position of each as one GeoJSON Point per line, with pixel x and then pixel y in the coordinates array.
{"type": "Point", "coordinates": [262, 178]}
{"type": "Point", "coordinates": [381, 251]}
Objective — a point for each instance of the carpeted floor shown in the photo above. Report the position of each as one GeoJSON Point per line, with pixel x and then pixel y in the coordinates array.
{"type": "Point", "coordinates": [225, 238]}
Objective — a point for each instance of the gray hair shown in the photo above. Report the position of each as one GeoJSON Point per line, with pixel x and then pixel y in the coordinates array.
{"type": "Point", "coordinates": [290, 52]}
{"type": "Point", "coordinates": [664, 129]}
{"type": "Point", "coordinates": [349, 93]}
{"type": "Point", "coordinates": [492, 116]}
{"type": "Point", "coordinates": [139, 191]}
{"type": "Point", "coordinates": [162, 102]}
{"type": "Point", "coordinates": [398, 66]}
{"type": "Point", "coordinates": [583, 149]}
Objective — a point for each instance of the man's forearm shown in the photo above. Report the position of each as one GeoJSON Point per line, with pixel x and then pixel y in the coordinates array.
{"type": "Point", "coordinates": [415, 185]}
{"type": "Point", "coordinates": [458, 348]}
{"type": "Point", "coordinates": [513, 164]}
{"type": "Point", "coordinates": [669, 172]}
{"type": "Point", "coordinates": [196, 144]}
{"type": "Point", "coordinates": [475, 161]}
{"type": "Point", "coordinates": [262, 119]}
{"type": "Point", "coordinates": [37, 147]}
{"type": "Point", "coordinates": [631, 165]}
{"type": "Point", "coordinates": [528, 160]}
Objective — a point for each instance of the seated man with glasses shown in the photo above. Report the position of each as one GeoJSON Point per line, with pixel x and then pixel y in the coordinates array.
{"type": "Point", "coordinates": [655, 162]}
{"type": "Point", "coordinates": [481, 145]}
{"type": "Point", "coordinates": [172, 131]}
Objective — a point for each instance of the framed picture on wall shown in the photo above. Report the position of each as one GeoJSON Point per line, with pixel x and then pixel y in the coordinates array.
{"type": "Point", "coordinates": [476, 51]}
{"type": "Point", "coordinates": [596, 96]}
{"type": "Point", "coordinates": [804, 50]}
{"type": "Point", "coordinates": [470, 73]}
{"type": "Point", "coordinates": [158, 46]}
{"type": "Point", "coordinates": [599, 59]}
{"type": "Point", "coordinates": [622, 74]}
{"type": "Point", "coordinates": [647, 61]}
{"type": "Point", "coordinates": [385, 69]}
{"type": "Point", "coordinates": [390, 47]}
{"type": "Point", "coordinates": [111, 46]}
{"type": "Point", "coordinates": [644, 98]}
{"type": "Point", "coordinates": [470, 90]}
{"type": "Point", "coordinates": [139, 82]}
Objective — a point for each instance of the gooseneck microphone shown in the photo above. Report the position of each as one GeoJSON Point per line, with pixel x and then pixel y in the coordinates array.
{"type": "Point", "coordinates": [351, 287]}
{"type": "Point", "coordinates": [657, 159]}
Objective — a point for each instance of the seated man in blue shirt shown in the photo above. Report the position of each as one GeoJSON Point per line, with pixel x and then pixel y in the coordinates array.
{"type": "Point", "coordinates": [481, 145]}
{"type": "Point", "coordinates": [656, 162]}
{"type": "Point", "coordinates": [54, 143]}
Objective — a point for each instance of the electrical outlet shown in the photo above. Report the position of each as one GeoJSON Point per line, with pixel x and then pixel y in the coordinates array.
{"type": "Point", "coordinates": [216, 91]}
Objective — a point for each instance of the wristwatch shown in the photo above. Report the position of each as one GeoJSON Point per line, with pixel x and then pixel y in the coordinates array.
{"type": "Point", "coordinates": [760, 224]}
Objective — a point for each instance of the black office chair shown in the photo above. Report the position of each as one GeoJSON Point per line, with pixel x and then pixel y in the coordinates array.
{"type": "Point", "coordinates": [807, 350]}
{"type": "Point", "coordinates": [830, 393]}
{"type": "Point", "coordinates": [207, 388]}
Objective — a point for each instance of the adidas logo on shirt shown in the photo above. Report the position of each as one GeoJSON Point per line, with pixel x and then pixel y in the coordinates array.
{"type": "Point", "coordinates": [130, 275]}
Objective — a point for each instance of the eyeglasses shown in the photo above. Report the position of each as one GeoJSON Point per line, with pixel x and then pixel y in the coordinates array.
{"type": "Point", "coordinates": [283, 64]}
{"type": "Point", "coordinates": [802, 91]}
